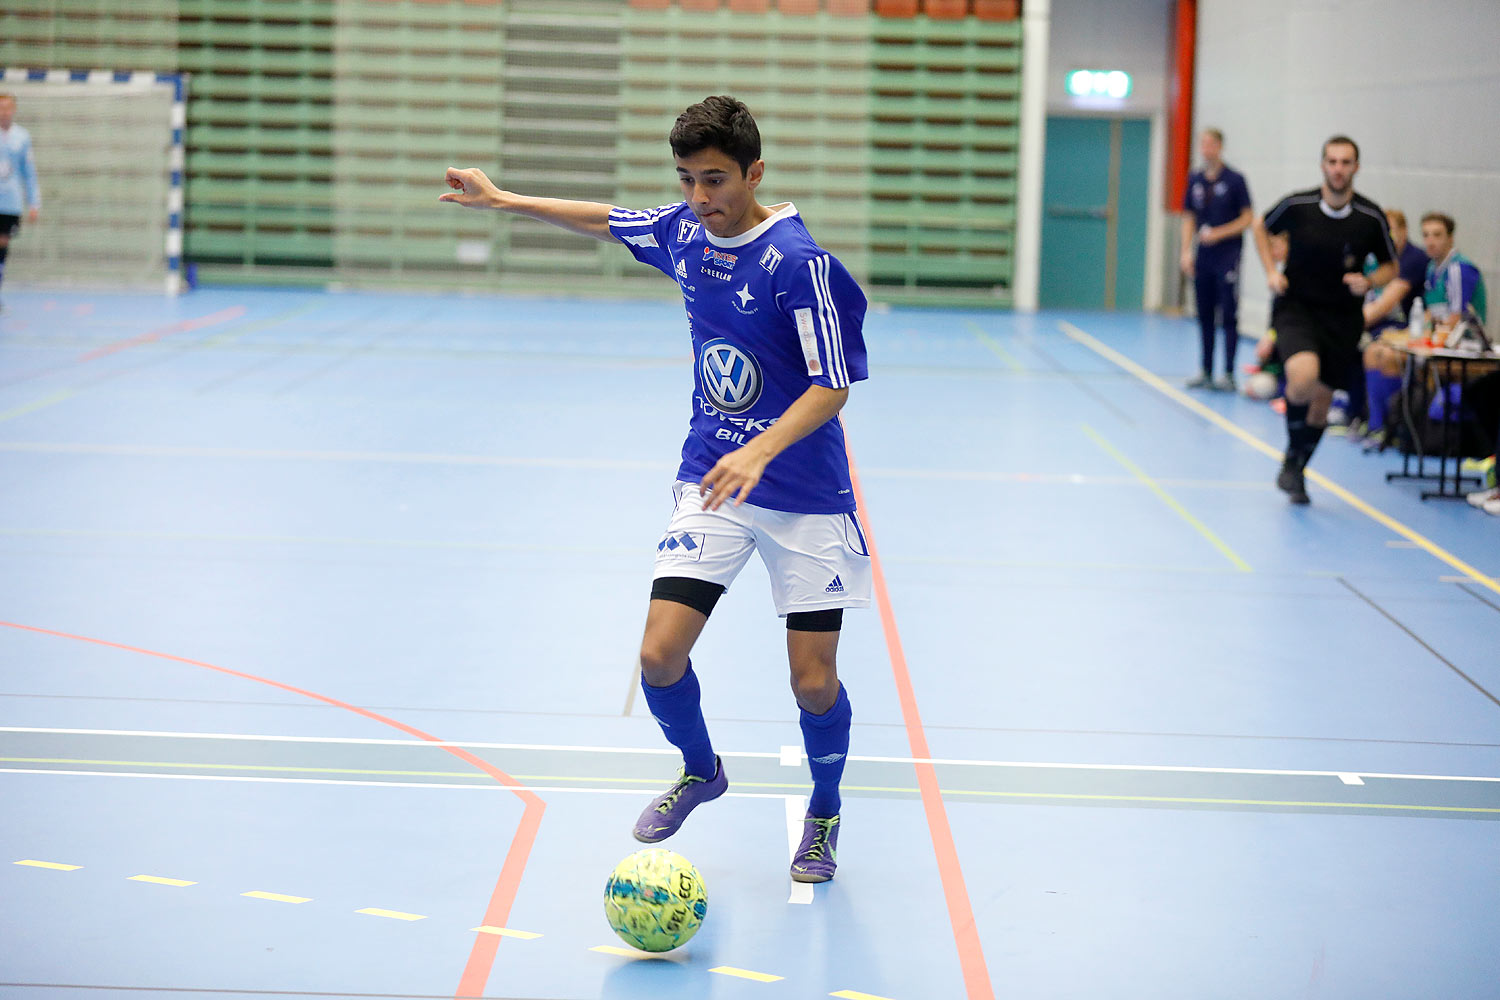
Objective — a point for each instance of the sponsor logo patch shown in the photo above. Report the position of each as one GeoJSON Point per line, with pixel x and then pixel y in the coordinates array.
{"type": "Point", "coordinates": [809, 338]}
{"type": "Point", "coordinates": [687, 231]}
{"type": "Point", "coordinates": [681, 545]}
{"type": "Point", "coordinates": [719, 258]}
{"type": "Point", "coordinates": [730, 377]}
{"type": "Point", "coordinates": [770, 259]}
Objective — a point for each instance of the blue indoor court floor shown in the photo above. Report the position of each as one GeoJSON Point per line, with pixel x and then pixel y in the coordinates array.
{"type": "Point", "coordinates": [318, 623]}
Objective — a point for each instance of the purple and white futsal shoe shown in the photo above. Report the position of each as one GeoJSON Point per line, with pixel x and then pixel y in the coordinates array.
{"type": "Point", "coordinates": [817, 855]}
{"type": "Point", "coordinates": [667, 811]}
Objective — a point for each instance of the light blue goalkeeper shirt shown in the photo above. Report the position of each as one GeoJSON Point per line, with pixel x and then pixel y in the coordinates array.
{"type": "Point", "coordinates": [18, 187]}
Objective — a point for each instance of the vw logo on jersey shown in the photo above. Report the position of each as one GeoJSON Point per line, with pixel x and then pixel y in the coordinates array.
{"type": "Point", "coordinates": [730, 378]}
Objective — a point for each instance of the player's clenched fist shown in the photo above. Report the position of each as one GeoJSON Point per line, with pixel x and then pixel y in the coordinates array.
{"type": "Point", "coordinates": [471, 188]}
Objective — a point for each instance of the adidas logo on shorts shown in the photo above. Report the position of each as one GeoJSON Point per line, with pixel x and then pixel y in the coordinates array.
{"type": "Point", "coordinates": [836, 587]}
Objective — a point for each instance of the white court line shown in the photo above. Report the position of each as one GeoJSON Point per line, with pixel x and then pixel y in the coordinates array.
{"type": "Point", "coordinates": [397, 457]}
{"type": "Point", "coordinates": [796, 808]}
{"type": "Point", "coordinates": [494, 787]}
{"type": "Point", "coordinates": [746, 754]}
{"type": "Point", "coordinates": [563, 462]}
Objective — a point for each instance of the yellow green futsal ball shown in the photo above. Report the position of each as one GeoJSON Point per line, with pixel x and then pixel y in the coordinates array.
{"type": "Point", "coordinates": [655, 900]}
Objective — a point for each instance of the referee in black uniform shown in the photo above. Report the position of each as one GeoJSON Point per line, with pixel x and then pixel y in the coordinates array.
{"type": "Point", "coordinates": [1318, 311]}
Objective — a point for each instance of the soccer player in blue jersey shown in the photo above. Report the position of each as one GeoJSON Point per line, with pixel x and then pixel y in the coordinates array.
{"type": "Point", "coordinates": [776, 326]}
{"type": "Point", "coordinates": [1216, 211]}
{"type": "Point", "coordinates": [18, 186]}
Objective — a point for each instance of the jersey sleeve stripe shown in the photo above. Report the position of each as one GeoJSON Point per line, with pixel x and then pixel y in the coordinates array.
{"type": "Point", "coordinates": [1390, 248]}
{"type": "Point", "coordinates": [1455, 283]}
{"type": "Point", "coordinates": [813, 267]}
{"type": "Point", "coordinates": [1287, 203]}
{"type": "Point", "coordinates": [833, 340]}
{"type": "Point", "coordinates": [812, 270]}
{"type": "Point", "coordinates": [838, 324]}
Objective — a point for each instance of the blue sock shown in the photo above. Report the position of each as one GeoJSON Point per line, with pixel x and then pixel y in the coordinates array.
{"type": "Point", "coordinates": [1378, 389]}
{"type": "Point", "coordinates": [826, 739]}
{"type": "Point", "coordinates": [677, 708]}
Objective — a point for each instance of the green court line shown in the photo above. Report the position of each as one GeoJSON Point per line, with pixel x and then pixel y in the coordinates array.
{"type": "Point", "coordinates": [996, 347]}
{"type": "Point", "coordinates": [40, 404]}
{"type": "Point", "coordinates": [881, 789]}
{"type": "Point", "coordinates": [1167, 499]}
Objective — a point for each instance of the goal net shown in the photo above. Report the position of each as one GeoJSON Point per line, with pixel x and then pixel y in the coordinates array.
{"type": "Point", "coordinates": [109, 162]}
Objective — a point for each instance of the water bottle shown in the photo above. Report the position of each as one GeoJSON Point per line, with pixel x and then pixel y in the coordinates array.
{"type": "Point", "coordinates": [1416, 327]}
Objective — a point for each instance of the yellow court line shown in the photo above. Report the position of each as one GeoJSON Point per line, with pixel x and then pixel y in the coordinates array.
{"type": "Point", "coordinates": [856, 995]}
{"type": "Point", "coordinates": [609, 949]}
{"type": "Point", "coordinates": [1167, 499]}
{"type": "Point", "coordinates": [506, 932]}
{"type": "Point", "coordinates": [158, 880]}
{"type": "Point", "coordinates": [48, 864]}
{"type": "Point", "coordinates": [759, 977]}
{"type": "Point", "coordinates": [277, 897]}
{"type": "Point", "coordinates": [994, 345]}
{"type": "Point", "coordinates": [32, 407]}
{"type": "Point", "coordinates": [375, 911]}
{"type": "Point", "coordinates": [1191, 800]}
{"type": "Point", "coordinates": [1225, 424]}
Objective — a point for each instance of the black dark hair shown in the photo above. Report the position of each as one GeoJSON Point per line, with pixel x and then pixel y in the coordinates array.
{"type": "Point", "coordinates": [1342, 140]}
{"type": "Point", "coordinates": [721, 123]}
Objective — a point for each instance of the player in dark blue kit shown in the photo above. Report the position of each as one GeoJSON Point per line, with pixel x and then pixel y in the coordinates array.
{"type": "Point", "coordinates": [776, 326]}
{"type": "Point", "coordinates": [1216, 207]}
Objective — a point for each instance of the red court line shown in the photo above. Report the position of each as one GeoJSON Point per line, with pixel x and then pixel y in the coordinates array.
{"type": "Point", "coordinates": [960, 913]}
{"type": "Point", "coordinates": [482, 956]}
{"type": "Point", "coordinates": [182, 326]}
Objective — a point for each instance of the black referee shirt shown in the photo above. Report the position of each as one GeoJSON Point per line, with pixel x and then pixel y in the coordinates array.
{"type": "Point", "coordinates": [1324, 244]}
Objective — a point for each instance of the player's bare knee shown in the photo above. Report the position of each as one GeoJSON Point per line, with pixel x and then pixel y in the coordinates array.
{"type": "Point", "coordinates": [662, 663]}
{"type": "Point", "coordinates": [4, 239]}
{"type": "Point", "coordinates": [816, 690]}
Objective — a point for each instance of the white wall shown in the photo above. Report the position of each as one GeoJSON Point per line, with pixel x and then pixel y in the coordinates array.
{"type": "Point", "coordinates": [1417, 85]}
{"type": "Point", "coordinates": [1129, 35]}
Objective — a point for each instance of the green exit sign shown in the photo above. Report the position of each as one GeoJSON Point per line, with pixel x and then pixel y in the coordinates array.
{"type": "Point", "coordinates": [1112, 83]}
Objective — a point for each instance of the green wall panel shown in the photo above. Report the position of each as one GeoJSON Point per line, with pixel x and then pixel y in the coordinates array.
{"type": "Point", "coordinates": [319, 130]}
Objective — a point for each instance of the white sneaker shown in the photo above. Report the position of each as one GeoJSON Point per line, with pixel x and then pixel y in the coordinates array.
{"type": "Point", "coordinates": [1481, 497]}
{"type": "Point", "coordinates": [1492, 506]}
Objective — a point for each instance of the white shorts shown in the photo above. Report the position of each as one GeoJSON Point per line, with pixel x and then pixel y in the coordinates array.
{"type": "Point", "coordinates": [816, 561]}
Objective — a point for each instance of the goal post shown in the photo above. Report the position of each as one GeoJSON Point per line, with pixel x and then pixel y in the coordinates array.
{"type": "Point", "coordinates": [109, 158]}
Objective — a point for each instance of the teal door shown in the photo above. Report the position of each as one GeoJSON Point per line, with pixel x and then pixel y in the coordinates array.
{"type": "Point", "coordinates": [1094, 200]}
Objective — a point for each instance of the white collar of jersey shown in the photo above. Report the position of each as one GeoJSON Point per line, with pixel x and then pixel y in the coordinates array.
{"type": "Point", "coordinates": [750, 236]}
{"type": "Point", "coordinates": [1336, 213]}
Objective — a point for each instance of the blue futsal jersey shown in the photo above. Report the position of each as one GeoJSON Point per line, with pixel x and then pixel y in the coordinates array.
{"type": "Point", "coordinates": [770, 313]}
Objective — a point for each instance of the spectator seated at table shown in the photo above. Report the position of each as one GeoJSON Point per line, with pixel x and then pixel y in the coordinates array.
{"type": "Point", "coordinates": [1451, 286]}
{"type": "Point", "coordinates": [1387, 316]}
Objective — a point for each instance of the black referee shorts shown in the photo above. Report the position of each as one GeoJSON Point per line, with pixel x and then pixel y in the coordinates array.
{"type": "Point", "coordinates": [9, 225]}
{"type": "Point", "coordinates": [1331, 334]}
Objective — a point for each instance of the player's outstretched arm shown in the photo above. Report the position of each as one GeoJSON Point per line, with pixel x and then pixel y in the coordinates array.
{"type": "Point", "coordinates": [472, 189]}
{"type": "Point", "coordinates": [736, 474]}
